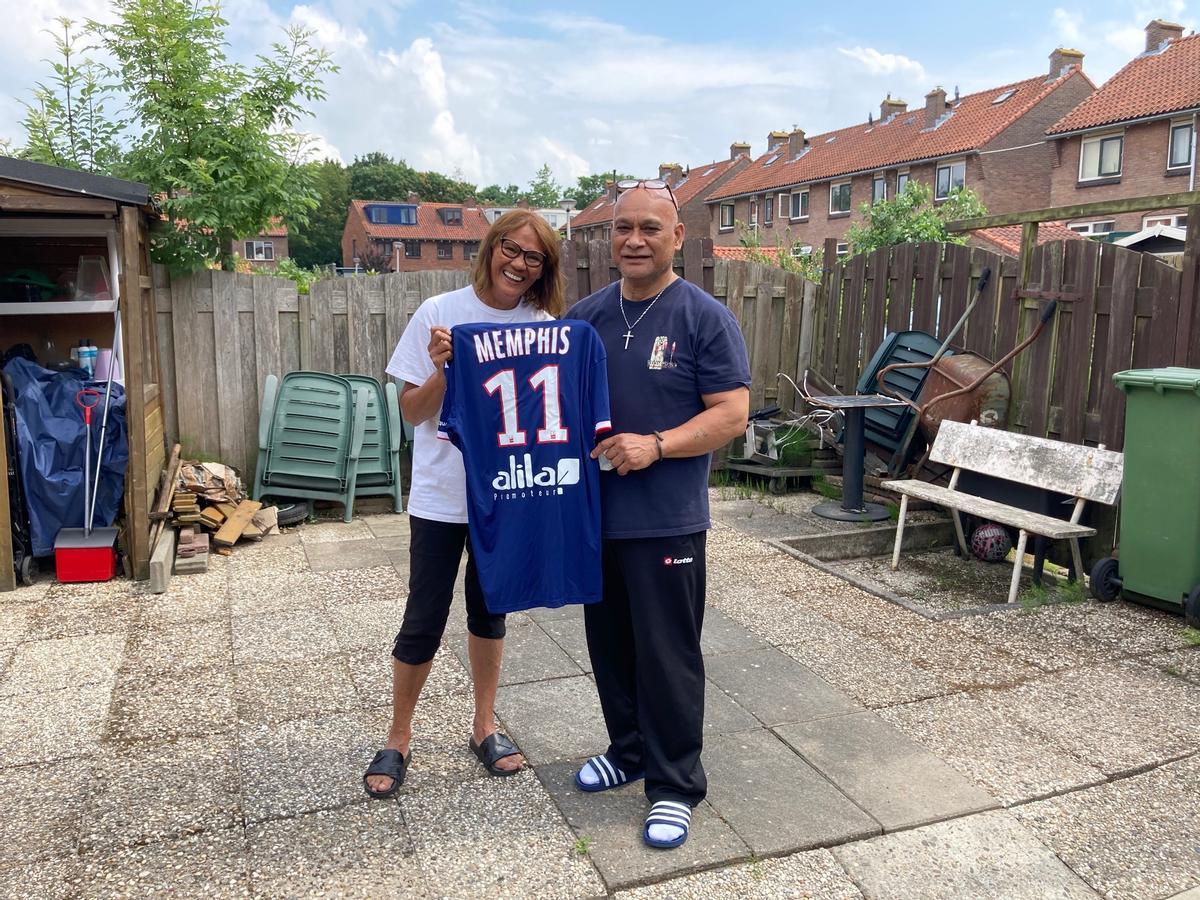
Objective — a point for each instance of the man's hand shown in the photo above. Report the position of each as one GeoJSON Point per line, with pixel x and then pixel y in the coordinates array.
{"type": "Point", "coordinates": [628, 452]}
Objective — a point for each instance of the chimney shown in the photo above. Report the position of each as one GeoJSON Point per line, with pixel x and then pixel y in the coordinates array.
{"type": "Point", "coordinates": [413, 198]}
{"type": "Point", "coordinates": [775, 139]}
{"type": "Point", "coordinates": [890, 107]}
{"type": "Point", "coordinates": [795, 143]}
{"type": "Point", "coordinates": [1063, 57]}
{"type": "Point", "coordinates": [737, 148]}
{"type": "Point", "coordinates": [1159, 31]}
{"type": "Point", "coordinates": [671, 173]}
{"type": "Point", "coordinates": [935, 105]}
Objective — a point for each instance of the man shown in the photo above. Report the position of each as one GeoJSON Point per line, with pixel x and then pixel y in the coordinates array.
{"type": "Point", "coordinates": [679, 381]}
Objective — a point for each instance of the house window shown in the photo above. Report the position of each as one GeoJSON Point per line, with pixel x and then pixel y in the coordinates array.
{"type": "Point", "coordinates": [1179, 154]}
{"type": "Point", "coordinates": [950, 177]}
{"type": "Point", "coordinates": [451, 216]}
{"type": "Point", "coordinates": [260, 250]}
{"type": "Point", "coordinates": [412, 249]}
{"type": "Point", "coordinates": [726, 216]}
{"type": "Point", "coordinates": [800, 205]}
{"type": "Point", "coordinates": [470, 249]}
{"type": "Point", "coordinates": [606, 234]}
{"type": "Point", "coordinates": [378, 215]}
{"type": "Point", "coordinates": [901, 183]}
{"type": "Point", "coordinates": [1092, 228]}
{"type": "Point", "coordinates": [839, 197]}
{"type": "Point", "coordinates": [445, 250]}
{"type": "Point", "coordinates": [768, 210]}
{"type": "Point", "coordinates": [878, 189]}
{"type": "Point", "coordinates": [842, 248]}
{"type": "Point", "coordinates": [1101, 157]}
{"type": "Point", "coordinates": [1179, 221]}
{"type": "Point", "coordinates": [784, 205]}
{"type": "Point", "coordinates": [753, 213]}
{"type": "Point", "coordinates": [801, 250]}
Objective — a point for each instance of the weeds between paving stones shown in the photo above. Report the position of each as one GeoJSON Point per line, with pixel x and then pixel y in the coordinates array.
{"type": "Point", "coordinates": [1038, 595]}
{"type": "Point", "coordinates": [1192, 636]}
{"type": "Point", "coordinates": [583, 846]}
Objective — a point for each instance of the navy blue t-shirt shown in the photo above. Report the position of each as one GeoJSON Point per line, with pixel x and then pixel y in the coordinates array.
{"type": "Point", "coordinates": [525, 403]}
{"type": "Point", "coordinates": [687, 345]}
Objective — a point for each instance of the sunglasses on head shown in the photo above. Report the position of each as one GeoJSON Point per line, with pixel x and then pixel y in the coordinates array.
{"type": "Point", "coordinates": [533, 258]}
{"type": "Point", "coordinates": [649, 184]}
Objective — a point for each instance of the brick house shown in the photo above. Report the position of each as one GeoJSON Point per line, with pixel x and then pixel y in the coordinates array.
{"type": "Point", "coordinates": [266, 249]}
{"type": "Point", "coordinates": [691, 188]}
{"type": "Point", "coordinates": [555, 217]}
{"type": "Point", "coordinates": [1134, 137]}
{"type": "Point", "coordinates": [411, 235]}
{"type": "Point", "coordinates": [806, 188]}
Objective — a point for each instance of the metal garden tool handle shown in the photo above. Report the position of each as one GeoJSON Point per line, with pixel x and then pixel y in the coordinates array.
{"type": "Point", "coordinates": [82, 398]}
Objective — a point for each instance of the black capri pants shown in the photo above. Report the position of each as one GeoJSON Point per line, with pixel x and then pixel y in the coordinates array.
{"type": "Point", "coordinates": [434, 552]}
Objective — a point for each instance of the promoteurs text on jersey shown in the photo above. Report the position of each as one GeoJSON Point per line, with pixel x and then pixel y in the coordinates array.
{"type": "Point", "coordinates": [525, 341]}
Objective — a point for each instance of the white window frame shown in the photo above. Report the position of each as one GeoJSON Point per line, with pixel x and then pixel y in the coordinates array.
{"type": "Point", "coordinates": [800, 201]}
{"type": "Point", "coordinates": [752, 215]}
{"type": "Point", "coordinates": [783, 206]}
{"type": "Point", "coordinates": [1092, 229]}
{"type": "Point", "coordinates": [768, 210]}
{"type": "Point", "coordinates": [948, 166]}
{"type": "Point", "coordinates": [1187, 156]}
{"type": "Point", "coordinates": [721, 223]}
{"type": "Point", "coordinates": [447, 247]}
{"type": "Point", "coordinates": [260, 251]}
{"type": "Point", "coordinates": [881, 180]}
{"type": "Point", "coordinates": [410, 244]}
{"type": "Point", "coordinates": [1100, 139]}
{"type": "Point", "coordinates": [843, 248]}
{"type": "Point", "coordinates": [470, 250]}
{"type": "Point", "coordinates": [1172, 220]}
{"type": "Point", "coordinates": [833, 188]}
{"type": "Point", "coordinates": [907, 176]}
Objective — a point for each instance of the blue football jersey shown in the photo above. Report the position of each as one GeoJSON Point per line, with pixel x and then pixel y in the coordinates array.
{"type": "Point", "coordinates": [524, 404]}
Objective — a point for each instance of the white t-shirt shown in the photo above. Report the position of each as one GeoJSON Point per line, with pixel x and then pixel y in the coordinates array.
{"type": "Point", "coordinates": [439, 482]}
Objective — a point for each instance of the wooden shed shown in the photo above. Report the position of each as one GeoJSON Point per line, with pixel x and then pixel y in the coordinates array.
{"type": "Point", "coordinates": [51, 219]}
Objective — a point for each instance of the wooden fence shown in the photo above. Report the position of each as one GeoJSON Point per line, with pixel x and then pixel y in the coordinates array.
{"type": "Point", "coordinates": [1125, 316]}
{"type": "Point", "coordinates": [220, 334]}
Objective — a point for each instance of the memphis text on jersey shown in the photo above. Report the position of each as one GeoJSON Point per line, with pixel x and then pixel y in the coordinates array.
{"type": "Point", "coordinates": [527, 341]}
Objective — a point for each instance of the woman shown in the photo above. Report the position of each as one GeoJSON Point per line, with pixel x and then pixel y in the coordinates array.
{"type": "Point", "coordinates": [516, 278]}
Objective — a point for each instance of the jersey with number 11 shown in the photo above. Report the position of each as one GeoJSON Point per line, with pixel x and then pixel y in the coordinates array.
{"type": "Point", "coordinates": [524, 404]}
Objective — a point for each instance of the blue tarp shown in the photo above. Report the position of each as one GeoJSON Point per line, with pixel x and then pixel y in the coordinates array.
{"type": "Point", "coordinates": [50, 444]}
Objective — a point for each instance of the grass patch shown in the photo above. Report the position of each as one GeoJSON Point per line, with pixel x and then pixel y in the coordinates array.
{"type": "Point", "coordinates": [583, 846]}
{"type": "Point", "coordinates": [1038, 595]}
{"type": "Point", "coordinates": [822, 486]}
{"type": "Point", "coordinates": [1192, 636]}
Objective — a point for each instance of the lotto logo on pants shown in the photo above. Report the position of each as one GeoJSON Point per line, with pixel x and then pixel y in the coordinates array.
{"type": "Point", "coordinates": [680, 561]}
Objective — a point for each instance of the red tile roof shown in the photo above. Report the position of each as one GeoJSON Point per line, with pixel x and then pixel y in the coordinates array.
{"type": "Point", "coordinates": [276, 229]}
{"type": "Point", "coordinates": [1007, 238]}
{"type": "Point", "coordinates": [737, 253]}
{"type": "Point", "coordinates": [1152, 84]}
{"type": "Point", "coordinates": [429, 225]}
{"type": "Point", "coordinates": [698, 180]}
{"type": "Point", "coordinates": [972, 121]}
{"type": "Point", "coordinates": [598, 212]}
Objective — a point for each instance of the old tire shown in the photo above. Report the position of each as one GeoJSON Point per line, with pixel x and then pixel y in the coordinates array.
{"type": "Point", "coordinates": [27, 570]}
{"type": "Point", "coordinates": [1191, 608]}
{"type": "Point", "coordinates": [1105, 582]}
{"type": "Point", "coordinates": [290, 513]}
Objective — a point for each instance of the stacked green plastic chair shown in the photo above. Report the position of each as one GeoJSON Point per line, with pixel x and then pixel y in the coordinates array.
{"type": "Point", "coordinates": [310, 437]}
{"type": "Point", "coordinates": [379, 461]}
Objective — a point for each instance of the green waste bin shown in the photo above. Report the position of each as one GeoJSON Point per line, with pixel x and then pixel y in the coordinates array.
{"type": "Point", "coordinates": [1160, 492]}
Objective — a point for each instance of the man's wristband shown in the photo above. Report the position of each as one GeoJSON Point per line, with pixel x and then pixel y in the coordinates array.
{"type": "Point", "coordinates": [658, 441]}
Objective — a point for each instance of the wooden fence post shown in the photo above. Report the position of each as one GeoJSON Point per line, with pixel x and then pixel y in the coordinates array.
{"type": "Point", "coordinates": [1187, 333]}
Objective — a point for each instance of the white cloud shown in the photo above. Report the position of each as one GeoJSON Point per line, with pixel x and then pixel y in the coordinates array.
{"type": "Point", "coordinates": [1067, 26]}
{"type": "Point", "coordinates": [884, 63]}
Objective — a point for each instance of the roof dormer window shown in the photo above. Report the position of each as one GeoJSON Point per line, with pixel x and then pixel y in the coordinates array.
{"type": "Point", "coordinates": [451, 215]}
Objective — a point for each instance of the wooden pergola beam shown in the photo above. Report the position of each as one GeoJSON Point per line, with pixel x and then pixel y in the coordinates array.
{"type": "Point", "coordinates": [1057, 213]}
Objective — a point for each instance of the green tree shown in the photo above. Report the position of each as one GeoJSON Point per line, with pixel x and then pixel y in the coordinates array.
{"type": "Point", "coordinates": [500, 196]}
{"type": "Point", "coordinates": [66, 123]}
{"type": "Point", "coordinates": [318, 241]}
{"type": "Point", "coordinates": [912, 217]}
{"type": "Point", "coordinates": [589, 187]}
{"type": "Point", "coordinates": [441, 189]}
{"type": "Point", "coordinates": [544, 191]}
{"type": "Point", "coordinates": [377, 176]}
{"type": "Point", "coordinates": [781, 255]}
{"type": "Point", "coordinates": [214, 141]}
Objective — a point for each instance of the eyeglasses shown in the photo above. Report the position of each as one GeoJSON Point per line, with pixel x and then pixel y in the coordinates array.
{"type": "Point", "coordinates": [650, 184]}
{"type": "Point", "coordinates": [533, 258]}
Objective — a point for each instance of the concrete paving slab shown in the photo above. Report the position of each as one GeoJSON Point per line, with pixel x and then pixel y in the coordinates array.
{"type": "Point", "coordinates": [361, 851]}
{"type": "Point", "coordinates": [64, 663]}
{"type": "Point", "coordinates": [371, 672]}
{"type": "Point", "coordinates": [213, 864]}
{"type": "Point", "coordinates": [723, 635]}
{"type": "Point", "coordinates": [811, 874]}
{"type": "Point", "coordinates": [298, 635]}
{"type": "Point", "coordinates": [178, 649]}
{"type": "Point", "coordinates": [553, 720]}
{"type": "Point", "coordinates": [1119, 717]}
{"type": "Point", "coordinates": [357, 554]}
{"type": "Point", "coordinates": [149, 792]}
{"type": "Point", "coordinates": [28, 593]}
{"type": "Point", "coordinates": [529, 655]}
{"type": "Point", "coordinates": [334, 532]}
{"type": "Point", "coordinates": [377, 584]}
{"type": "Point", "coordinates": [1013, 764]}
{"type": "Point", "coordinates": [776, 688]}
{"type": "Point", "coordinates": [722, 715]}
{"type": "Point", "coordinates": [63, 615]}
{"type": "Point", "coordinates": [1135, 837]}
{"type": "Point", "coordinates": [366, 626]}
{"type": "Point", "coordinates": [191, 598]}
{"type": "Point", "coordinates": [963, 662]}
{"type": "Point", "coordinates": [611, 823]}
{"type": "Point", "coordinates": [1192, 894]}
{"type": "Point", "coordinates": [32, 828]}
{"type": "Point", "coordinates": [304, 765]}
{"type": "Point", "coordinates": [775, 801]}
{"type": "Point", "coordinates": [838, 601]}
{"type": "Point", "coordinates": [1046, 637]}
{"type": "Point", "coordinates": [568, 633]}
{"type": "Point", "coordinates": [499, 837]}
{"type": "Point", "coordinates": [43, 726]}
{"type": "Point", "coordinates": [266, 692]}
{"type": "Point", "coordinates": [542, 614]}
{"type": "Point", "coordinates": [54, 879]}
{"type": "Point", "coordinates": [15, 624]}
{"type": "Point", "coordinates": [267, 559]}
{"type": "Point", "coordinates": [261, 594]}
{"type": "Point", "coordinates": [756, 519]}
{"type": "Point", "coordinates": [161, 707]}
{"type": "Point", "coordinates": [1183, 664]}
{"type": "Point", "coordinates": [389, 525]}
{"type": "Point", "coordinates": [889, 775]}
{"type": "Point", "coordinates": [985, 855]}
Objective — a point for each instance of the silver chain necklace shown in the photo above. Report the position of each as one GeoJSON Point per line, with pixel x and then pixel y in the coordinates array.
{"type": "Point", "coordinates": [628, 335]}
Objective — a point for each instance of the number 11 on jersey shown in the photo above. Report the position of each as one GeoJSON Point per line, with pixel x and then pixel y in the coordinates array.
{"type": "Point", "coordinates": [545, 379]}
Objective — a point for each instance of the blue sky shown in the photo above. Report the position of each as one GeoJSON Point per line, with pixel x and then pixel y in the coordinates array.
{"type": "Point", "coordinates": [490, 91]}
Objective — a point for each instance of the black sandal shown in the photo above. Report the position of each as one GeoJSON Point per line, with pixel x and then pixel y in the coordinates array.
{"type": "Point", "coordinates": [491, 750]}
{"type": "Point", "coordinates": [391, 764]}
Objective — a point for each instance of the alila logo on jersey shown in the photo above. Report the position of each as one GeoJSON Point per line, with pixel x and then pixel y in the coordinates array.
{"type": "Point", "coordinates": [521, 476]}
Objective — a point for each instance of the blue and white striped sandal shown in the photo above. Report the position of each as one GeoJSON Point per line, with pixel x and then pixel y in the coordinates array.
{"type": "Point", "coordinates": [670, 816]}
{"type": "Point", "coordinates": [603, 775]}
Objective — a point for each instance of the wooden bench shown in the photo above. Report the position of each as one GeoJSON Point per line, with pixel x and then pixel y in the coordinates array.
{"type": "Point", "coordinates": [1085, 473]}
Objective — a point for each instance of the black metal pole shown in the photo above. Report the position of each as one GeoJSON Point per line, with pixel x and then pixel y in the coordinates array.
{"type": "Point", "coordinates": [853, 461]}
